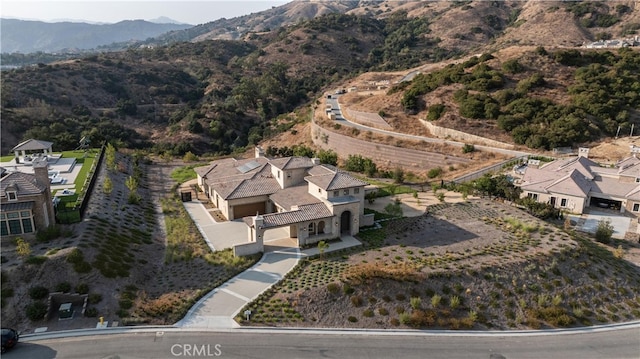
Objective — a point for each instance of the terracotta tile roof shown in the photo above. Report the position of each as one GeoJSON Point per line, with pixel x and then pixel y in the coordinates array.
{"type": "Point", "coordinates": [292, 196]}
{"type": "Point", "coordinates": [335, 181]}
{"type": "Point", "coordinates": [629, 166]}
{"type": "Point", "coordinates": [23, 183]}
{"type": "Point", "coordinates": [304, 213]}
{"type": "Point", "coordinates": [230, 169]}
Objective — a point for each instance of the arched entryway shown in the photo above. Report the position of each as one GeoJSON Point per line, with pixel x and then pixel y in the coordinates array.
{"type": "Point", "coordinates": [345, 222]}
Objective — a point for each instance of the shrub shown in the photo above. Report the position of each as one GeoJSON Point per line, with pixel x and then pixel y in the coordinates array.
{"type": "Point", "coordinates": [91, 312]}
{"type": "Point", "coordinates": [455, 302]}
{"type": "Point", "coordinates": [23, 248]}
{"type": "Point", "coordinates": [82, 288]}
{"type": "Point", "coordinates": [400, 296]}
{"type": "Point", "coordinates": [347, 289]}
{"type": "Point", "coordinates": [36, 260]}
{"type": "Point", "coordinates": [468, 148]}
{"type": "Point", "coordinates": [383, 311]}
{"type": "Point", "coordinates": [368, 313]}
{"type": "Point", "coordinates": [415, 302]}
{"type": "Point", "coordinates": [394, 321]}
{"type": "Point", "coordinates": [356, 300]}
{"type": "Point", "coordinates": [36, 311]}
{"type": "Point", "coordinates": [604, 231]}
{"type": "Point", "coordinates": [435, 300]}
{"type": "Point", "coordinates": [333, 288]}
{"type": "Point", "coordinates": [94, 298]}
{"type": "Point", "coordinates": [352, 319]}
{"type": "Point", "coordinates": [434, 172]}
{"type": "Point", "coordinates": [38, 292]}
{"type": "Point", "coordinates": [405, 318]}
{"type": "Point", "coordinates": [64, 287]}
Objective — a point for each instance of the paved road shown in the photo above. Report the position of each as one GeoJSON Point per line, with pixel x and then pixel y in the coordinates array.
{"type": "Point", "coordinates": [335, 105]}
{"type": "Point", "coordinates": [246, 343]}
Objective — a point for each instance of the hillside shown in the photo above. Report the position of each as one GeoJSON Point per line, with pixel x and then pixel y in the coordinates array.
{"type": "Point", "coordinates": [218, 96]}
{"type": "Point", "coordinates": [32, 36]}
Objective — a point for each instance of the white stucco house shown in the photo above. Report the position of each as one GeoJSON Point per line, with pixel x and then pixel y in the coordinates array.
{"type": "Point", "coordinates": [313, 201]}
{"type": "Point", "coordinates": [575, 183]}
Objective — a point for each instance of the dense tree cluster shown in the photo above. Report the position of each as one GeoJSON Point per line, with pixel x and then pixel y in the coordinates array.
{"type": "Point", "coordinates": [604, 93]}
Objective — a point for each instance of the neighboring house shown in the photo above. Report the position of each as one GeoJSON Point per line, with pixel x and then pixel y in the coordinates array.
{"type": "Point", "coordinates": [313, 201]}
{"type": "Point", "coordinates": [575, 183]}
{"type": "Point", "coordinates": [25, 201]}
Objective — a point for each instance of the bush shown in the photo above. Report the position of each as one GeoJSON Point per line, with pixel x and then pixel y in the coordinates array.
{"type": "Point", "coordinates": [38, 292]}
{"type": "Point", "coordinates": [94, 298]}
{"type": "Point", "coordinates": [356, 300]}
{"type": "Point", "coordinates": [352, 319]}
{"type": "Point", "coordinates": [604, 231]}
{"type": "Point", "coordinates": [383, 311]}
{"type": "Point", "coordinates": [91, 312]}
{"type": "Point", "coordinates": [36, 260]}
{"type": "Point", "coordinates": [468, 148]}
{"type": "Point", "coordinates": [434, 172]}
{"type": "Point", "coordinates": [82, 288]}
{"type": "Point", "coordinates": [333, 288]}
{"type": "Point", "coordinates": [47, 234]}
{"type": "Point", "coordinates": [415, 302]}
{"type": "Point", "coordinates": [435, 112]}
{"type": "Point", "coordinates": [36, 311]}
{"type": "Point", "coordinates": [368, 313]}
{"type": "Point", "coordinates": [64, 287]}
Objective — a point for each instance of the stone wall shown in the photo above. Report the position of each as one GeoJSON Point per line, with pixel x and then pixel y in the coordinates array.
{"type": "Point", "coordinates": [443, 132]}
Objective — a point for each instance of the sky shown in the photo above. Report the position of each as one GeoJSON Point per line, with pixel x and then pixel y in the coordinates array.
{"type": "Point", "coordinates": [192, 12]}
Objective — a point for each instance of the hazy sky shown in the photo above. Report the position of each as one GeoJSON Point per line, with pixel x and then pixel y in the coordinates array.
{"type": "Point", "coordinates": [190, 12]}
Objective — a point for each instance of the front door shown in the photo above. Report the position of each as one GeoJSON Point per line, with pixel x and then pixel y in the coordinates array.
{"type": "Point", "coordinates": [345, 222]}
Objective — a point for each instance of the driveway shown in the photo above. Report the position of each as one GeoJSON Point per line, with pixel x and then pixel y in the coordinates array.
{"type": "Point", "coordinates": [588, 222]}
{"type": "Point", "coordinates": [223, 235]}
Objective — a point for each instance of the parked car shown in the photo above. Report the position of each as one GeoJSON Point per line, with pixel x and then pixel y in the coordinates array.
{"type": "Point", "coordinates": [9, 338]}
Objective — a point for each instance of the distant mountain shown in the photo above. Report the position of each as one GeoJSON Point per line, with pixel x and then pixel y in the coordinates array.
{"type": "Point", "coordinates": [166, 20]}
{"type": "Point", "coordinates": [32, 36]}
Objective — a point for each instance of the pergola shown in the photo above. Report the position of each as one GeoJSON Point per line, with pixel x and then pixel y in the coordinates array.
{"type": "Point", "coordinates": [31, 146]}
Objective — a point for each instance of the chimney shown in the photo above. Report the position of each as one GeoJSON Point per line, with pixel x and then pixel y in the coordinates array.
{"type": "Point", "coordinates": [259, 152]}
{"type": "Point", "coordinates": [41, 170]}
{"type": "Point", "coordinates": [583, 152]}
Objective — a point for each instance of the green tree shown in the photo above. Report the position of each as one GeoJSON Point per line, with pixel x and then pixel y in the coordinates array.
{"type": "Point", "coordinates": [328, 157]}
{"type": "Point", "coordinates": [107, 185]}
{"type": "Point", "coordinates": [189, 157]}
{"type": "Point", "coordinates": [110, 157]}
{"type": "Point", "coordinates": [398, 175]}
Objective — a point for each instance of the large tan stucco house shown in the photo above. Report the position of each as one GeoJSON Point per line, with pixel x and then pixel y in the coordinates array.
{"type": "Point", "coordinates": [312, 200]}
{"type": "Point", "coordinates": [573, 184]}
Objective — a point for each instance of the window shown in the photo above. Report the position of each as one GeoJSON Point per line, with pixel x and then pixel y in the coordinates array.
{"type": "Point", "coordinates": [288, 174]}
{"type": "Point", "coordinates": [636, 207]}
{"type": "Point", "coordinates": [27, 226]}
{"type": "Point", "coordinates": [15, 227]}
{"type": "Point", "coordinates": [12, 215]}
{"type": "Point", "coordinates": [312, 228]}
{"type": "Point", "coordinates": [4, 231]}
{"type": "Point", "coordinates": [319, 190]}
{"type": "Point", "coordinates": [533, 196]}
{"type": "Point", "coordinates": [356, 190]}
{"type": "Point", "coordinates": [637, 179]}
{"type": "Point", "coordinates": [278, 174]}
{"type": "Point", "coordinates": [336, 193]}
{"type": "Point", "coordinates": [346, 192]}
{"type": "Point", "coordinates": [12, 196]}
{"type": "Point", "coordinates": [563, 202]}
{"type": "Point", "coordinates": [24, 214]}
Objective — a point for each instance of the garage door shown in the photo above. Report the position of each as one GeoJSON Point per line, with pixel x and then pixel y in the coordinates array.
{"type": "Point", "coordinates": [251, 209]}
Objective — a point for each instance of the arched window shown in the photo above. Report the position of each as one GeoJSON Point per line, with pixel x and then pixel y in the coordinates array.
{"type": "Point", "coordinates": [321, 227]}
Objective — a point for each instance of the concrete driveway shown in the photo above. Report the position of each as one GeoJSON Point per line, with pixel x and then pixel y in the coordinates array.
{"type": "Point", "coordinates": [588, 222]}
{"type": "Point", "coordinates": [223, 235]}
